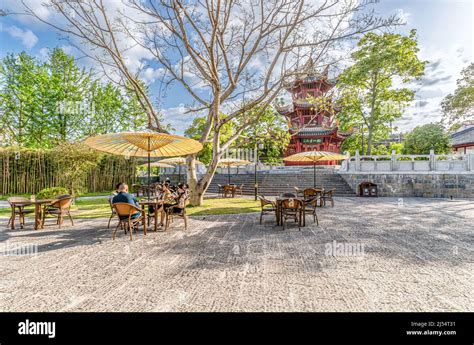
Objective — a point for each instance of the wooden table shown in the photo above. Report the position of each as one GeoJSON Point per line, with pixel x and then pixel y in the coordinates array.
{"type": "Point", "coordinates": [38, 212]}
{"type": "Point", "coordinates": [278, 214]}
{"type": "Point", "coordinates": [151, 202]}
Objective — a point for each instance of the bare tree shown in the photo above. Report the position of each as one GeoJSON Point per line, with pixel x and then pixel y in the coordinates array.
{"type": "Point", "coordinates": [229, 55]}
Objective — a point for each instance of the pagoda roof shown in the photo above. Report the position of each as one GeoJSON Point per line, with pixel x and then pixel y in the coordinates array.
{"type": "Point", "coordinates": [285, 109]}
{"type": "Point", "coordinates": [463, 136]}
{"type": "Point", "coordinates": [303, 103]}
{"type": "Point", "coordinates": [321, 130]}
{"type": "Point", "coordinates": [309, 73]}
{"type": "Point", "coordinates": [318, 130]}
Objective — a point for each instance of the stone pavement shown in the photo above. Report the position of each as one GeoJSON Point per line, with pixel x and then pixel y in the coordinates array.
{"type": "Point", "coordinates": [417, 255]}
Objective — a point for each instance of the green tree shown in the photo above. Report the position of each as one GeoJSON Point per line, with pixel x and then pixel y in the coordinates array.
{"type": "Point", "coordinates": [397, 147]}
{"type": "Point", "coordinates": [106, 110]}
{"type": "Point", "coordinates": [368, 98]}
{"type": "Point", "coordinates": [19, 95]}
{"type": "Point", "coordinates": [381, 150]}
{"type": "Point", "coordinates": [459, 106]}
{"type": "Point", "coordinates": [425, 138]}
{"type": "Point", "coordinates": [67, 103]}
{"type": "Point", "coordinates": [271, 130]}
{"type": "Point", "coordinates": [195, 129]}
{"type": "Point", "coordinates": [134, 116]}
{"type": "Point", "coordinates": [46, 103]}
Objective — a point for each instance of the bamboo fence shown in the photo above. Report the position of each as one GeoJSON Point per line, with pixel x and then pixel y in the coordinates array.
{"type": "Point", "coordinates": [27, 171]}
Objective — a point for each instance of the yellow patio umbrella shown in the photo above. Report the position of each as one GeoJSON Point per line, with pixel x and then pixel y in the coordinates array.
{"type": "Point", "coordinates": [144, 144]}
{"type": "Point", "coordinates": [232, 162]}
{"type": "Point", "coordinates": [179, 161]}
{"type": "Point", "coordinates": [315, 156]}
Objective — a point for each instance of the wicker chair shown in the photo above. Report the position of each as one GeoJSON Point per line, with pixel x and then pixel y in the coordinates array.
{"type": "Point", "coordinates": [239, 189]}
{"type": "Point", "coordinates": [18, 210]}
{"type": "Point", "coordinates": [328, 196]}
{"type": "Point", "coordinates": [311, 198]}
{"type": "Point", "coordinates": [268, 207]}
{"type": "Point", "coordinates": [129, 224]}
{"type": "Point", "coordinates": [113, 213]}
{"type": "Point", "coordinates": [320, 192]}
{"type": "Point", "coordinates": [178, 210]}
{"type": "Point", "coordinates": [59, 207]}
{"type": "Point", "coordinates": [220, 190]}
{"type": "Point", "coordinates": [229, 190]}
{"type": "Point", "coordinates": [298, 191]}
{"type": "Point", "coordinates": [291, 208]}
{"type": "Point", "coordinates": [288, 195]}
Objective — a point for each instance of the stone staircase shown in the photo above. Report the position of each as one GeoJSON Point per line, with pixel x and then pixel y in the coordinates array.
{"type": "Point", "coordinates": [274, 184]}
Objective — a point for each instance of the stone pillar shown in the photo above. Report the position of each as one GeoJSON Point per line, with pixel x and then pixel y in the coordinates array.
{"type": "Point", "coordinates": [470, 161]}
{"type": "Point", "coordinates": [393, 161]}
{"type": "Point", "coordinates": [432, 160]}
{"type": "Point", "coordinates": [347, 161]}
{"type": "Point", "coordinates": [357, 161]}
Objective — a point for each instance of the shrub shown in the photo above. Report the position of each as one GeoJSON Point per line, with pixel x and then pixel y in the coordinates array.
{"type": "Point", "coordinates": [51, 193]}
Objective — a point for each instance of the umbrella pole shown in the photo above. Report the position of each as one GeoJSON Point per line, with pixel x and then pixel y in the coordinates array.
{"type": "Point", "coordinates": [228, 173]}
{"type": "Point", "coordinates": [314, 173]}
{"type": "Point", "coordinates": [179, 173]}
{"type": "Point", "coordinates": [148, 189]}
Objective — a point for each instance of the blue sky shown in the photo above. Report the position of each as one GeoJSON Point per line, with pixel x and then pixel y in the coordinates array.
{"type": "Point", "coordinates": [445, 32]}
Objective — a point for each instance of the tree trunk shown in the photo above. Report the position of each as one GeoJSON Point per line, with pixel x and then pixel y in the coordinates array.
{"type": "Point", "coordinates": [369, 142]}
{"type": "Point", "coordinates": [370, 125]}
{"type": "Point", "coordinates": [198, 187]}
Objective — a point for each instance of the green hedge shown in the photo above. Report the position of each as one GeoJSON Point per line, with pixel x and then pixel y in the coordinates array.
{"type": "Point", "coordinates": [27, 171]}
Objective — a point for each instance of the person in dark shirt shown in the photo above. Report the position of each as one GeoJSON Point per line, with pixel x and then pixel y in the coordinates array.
{"type": "Point", "coordinates": [115, 192]}
{"type": "Point", "coordinates": [124, 196]}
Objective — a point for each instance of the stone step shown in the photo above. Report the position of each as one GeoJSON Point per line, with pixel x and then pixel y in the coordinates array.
{"type": "Point", "coordinates": [274, 184]}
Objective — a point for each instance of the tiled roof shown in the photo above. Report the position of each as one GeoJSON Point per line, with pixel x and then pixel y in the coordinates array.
{"type": "Point", "coordinates": [465, 135]}
{"type": "Point", "coordinates": [308, 131]}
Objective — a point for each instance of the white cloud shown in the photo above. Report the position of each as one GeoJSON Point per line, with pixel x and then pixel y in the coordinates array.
{"type": "Point", "coordinates": [43, 52]}
{"type": "Point", "coordinates": [27, 37]}
{"type": "Point", "coordinates": [178, 118]}
{"type": "Point", "coordinates": [403, 15]}
{"type": "Point", "coordinates": [16, 7]}
{"type": "Point", "coordinates": [151, 74]}
{"type": "Point", "coordinates": [440, 77]}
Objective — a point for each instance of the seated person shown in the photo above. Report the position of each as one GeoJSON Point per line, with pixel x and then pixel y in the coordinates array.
{"type": "Point", "coordinates": [159, 195]}
{"type": "Point", "coordinates": [182, 190]}
{"type": "Point", "coordinates": [169, 199]}
{"type": "Point", "coordinates": [116, 191]}
{"type": "Point", "coordinates": [124, 196]}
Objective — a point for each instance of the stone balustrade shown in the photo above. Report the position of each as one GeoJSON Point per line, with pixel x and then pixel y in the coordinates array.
{"type": "Point", "coordinates": [409, 163]}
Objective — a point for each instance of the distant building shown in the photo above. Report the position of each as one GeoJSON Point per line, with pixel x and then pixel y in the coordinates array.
{"type": "Point", "coordinates": [463, 140]}
{"type": "Point", "coordinates": [393, 138]}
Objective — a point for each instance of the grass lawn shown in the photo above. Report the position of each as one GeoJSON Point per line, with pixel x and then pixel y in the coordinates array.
{"type": "Point", "coordinates": [99, 207]}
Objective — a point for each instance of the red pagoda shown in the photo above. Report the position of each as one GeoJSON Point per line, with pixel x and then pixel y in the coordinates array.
{"type": "Point", "coordinates": [312, 128]}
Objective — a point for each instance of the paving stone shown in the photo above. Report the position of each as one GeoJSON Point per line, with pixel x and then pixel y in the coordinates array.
{"type": "Point", "coordinates": [417, 256]}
